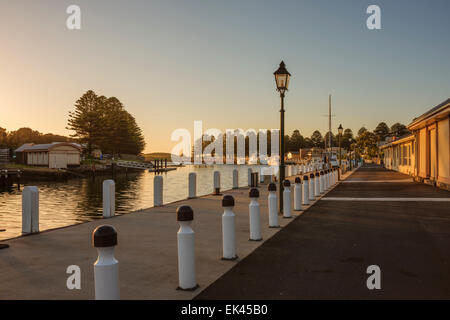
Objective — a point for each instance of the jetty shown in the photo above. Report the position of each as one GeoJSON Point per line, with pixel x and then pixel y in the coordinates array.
{"type": "Point", "coordinates": [10, 176]}
{"type": "Point", "coordinates": [34, 266]}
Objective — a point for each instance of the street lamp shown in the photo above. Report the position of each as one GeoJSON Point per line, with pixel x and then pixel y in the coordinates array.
{"type": "Point", "coordinates": [340, 130]}
{"type": "Point", "coordinates": [350, 149]}
{"type": "Point", "coordinates": [282, 77]}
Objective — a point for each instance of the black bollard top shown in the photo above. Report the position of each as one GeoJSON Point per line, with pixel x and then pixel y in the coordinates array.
{"type": "Point", "coordinates": [272, 187]}
{"type": "Point", "coordinates": [297, 180]}
{"type": "Point", "coordinates": [227, 201]}
{"type": "Point", "coordinates": [305, 178]}
{"type": "Point", "coordinates": [185, 213]}
{"type": "Point", "coordinates": [311, 175]}
{"type": "Point", "coordinates": [321, 173]}
{"type": "Point", "coordinates": [104, 236]}
{"type": "Point", "coordinates": [254, 193]}
{"type": "Point", "coordinates": [317, 173]}
{"type": "Point", "coordinates": [286, 183]}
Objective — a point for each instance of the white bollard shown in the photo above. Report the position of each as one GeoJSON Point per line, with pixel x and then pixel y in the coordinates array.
{"type": "Point", "coordinates": [328, 179]}
{"type": "Point", "coordinates": [322, 182]}
{"type": "Point", "coordinates": [317, 184]}
{"type": "Point", "coordinates": [109, 198]}
{"type": "Point", "coordinates": [235, 179]}
{"type": "Point", "coordinates": [254, 215]}
{"type": "Point", "coordinates": [287, 199]}
{"type": "Point", "coordinates": [157, 191]}
{"type": "Point", "coordinates": [30, 209]}
{"type": "Point", "coordinates": [186, 249]}
{"type": "Point", "coordinates": [298, 194]}
{"type": "Point", "coordinates": [305, 190]}
{"type": "Point", "coordinates": [192, 185]}
{"type": "Point", "coordinates": [312, 187]}
{"type": "Point", "coordinates": [273, 202]}
{"type": "Point", "coordinates": [228, 229]}
{"type": "Point", "coordinates": [217, 183]}
{"type": "Point", "coordinates": [261, 176]}
{"type": "Point", "coordinates": [249, 177]}
{"type": "Point", "coordinates": [106, 268]}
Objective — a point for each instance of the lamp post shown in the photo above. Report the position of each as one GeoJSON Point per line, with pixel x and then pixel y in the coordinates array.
{"type": "Point", "coordinates": [340, 129]}
{"type": "Point", "coordinates": [282, 81]}
{"type": "Point", "coordinates": [350, 155]}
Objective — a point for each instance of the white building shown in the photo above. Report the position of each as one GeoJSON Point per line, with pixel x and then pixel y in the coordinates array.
{"type": "Point", "coordinates": [52, 155]}
{"type": "Point", "coordinates": [425, 154]}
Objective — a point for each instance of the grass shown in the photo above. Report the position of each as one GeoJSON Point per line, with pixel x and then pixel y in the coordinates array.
{"type": "Point", "coordinates": [17, 166]}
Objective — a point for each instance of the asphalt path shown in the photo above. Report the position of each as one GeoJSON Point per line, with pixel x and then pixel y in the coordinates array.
{"type": "Point", "coordinates": [325, 252]}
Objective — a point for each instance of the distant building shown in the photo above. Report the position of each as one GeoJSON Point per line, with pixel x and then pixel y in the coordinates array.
{"type": "Point", "coordinates": [399, 154]}
{"type": "Point", "coordinates": [424, 154]}
{"type": "Point", "coordinates": [4, 156]}
{"type": "Point", "coordinates": [311, 154]}
{"type": "Point", "coordinates": [96, 152]}
{"type": "Point", "coordinates": [292, 156]}
{"type": "Point", "coordinates": [51, 155]}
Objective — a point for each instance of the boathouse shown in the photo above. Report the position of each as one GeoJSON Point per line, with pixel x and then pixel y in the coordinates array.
{"type": "Point", "coordinates": [432, 139]}
{"type": "Point", "coordinates": [425, 153]}
{"type": "Point", "coordinates": [52, 155]}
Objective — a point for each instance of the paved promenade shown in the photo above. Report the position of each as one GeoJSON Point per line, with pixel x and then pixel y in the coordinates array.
{"type": "Point", "coordinates": [34, 267]}
{"type": "Point", "coordinates": [372, 218]}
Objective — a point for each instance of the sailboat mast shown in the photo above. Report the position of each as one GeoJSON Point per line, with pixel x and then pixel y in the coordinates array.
{"type": "Point", "coordinates": [329, 121]}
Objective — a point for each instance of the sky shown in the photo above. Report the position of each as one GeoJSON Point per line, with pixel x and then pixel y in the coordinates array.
{"type": "Point", "coordinates": [173, 62]}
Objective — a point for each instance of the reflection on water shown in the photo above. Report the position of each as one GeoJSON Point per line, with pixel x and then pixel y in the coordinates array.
{"type": "Point", "coordinates": [80, 200]}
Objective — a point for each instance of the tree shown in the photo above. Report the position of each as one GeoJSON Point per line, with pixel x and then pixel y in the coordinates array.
{"type": "Point", "coordinates": [87, 119]}
{"type": "Point", "coordinates": [105, 122]}
{"type": "Point", "coordinates": [296, 141]}
{"type": "Point", "coordinates": [367, 143]}
{"type": "Point", "coordinates": [381, 131]}
{"type": "Point", "coordinates": [399, 129]}
{"type": "Point", "coordinates": [347, 139]}
{"type": "Point", "coordinates": [307, 143]}
{"type": "Point", "coordinates": [316, 139]}
{"type": "Point", "coordinates": [362, 130]}
{"type": "Point", "coordinates": [3, 138]}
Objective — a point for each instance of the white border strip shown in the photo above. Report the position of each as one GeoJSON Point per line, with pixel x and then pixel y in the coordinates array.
{"type": "Point", "coordinates": [378, 181]}
{"type": "Point", "coordinates": [387, 199]}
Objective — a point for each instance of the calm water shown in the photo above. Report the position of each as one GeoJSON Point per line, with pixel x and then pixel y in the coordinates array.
{"type": "Point", "coordinates": [80, 200]}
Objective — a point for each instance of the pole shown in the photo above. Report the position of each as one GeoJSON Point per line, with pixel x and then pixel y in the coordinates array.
{"type": "Point", "coordinates": [329, 122]}
{"type": "Point", "coordinates": [281, 151]}
{"type": "Point", "coordinates": [340, 157]}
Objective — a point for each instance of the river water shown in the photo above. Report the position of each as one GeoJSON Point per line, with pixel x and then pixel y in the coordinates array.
{"type": "Point", "coordinates": [80, 200]}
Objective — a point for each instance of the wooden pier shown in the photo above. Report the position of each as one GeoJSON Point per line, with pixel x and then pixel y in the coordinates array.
{"type": "Point", "coordinates": [10, 176]}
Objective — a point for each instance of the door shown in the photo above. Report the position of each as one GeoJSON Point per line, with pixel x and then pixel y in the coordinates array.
{"type": "Point", "coordinates": [58, 160]}
{"type": "Point", "coordinates": [433, 154]}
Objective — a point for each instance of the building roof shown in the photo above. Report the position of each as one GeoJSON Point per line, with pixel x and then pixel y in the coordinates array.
{"type": "Point", "coordinates": [23, 147]}
{"type": "Point", "coordinates": [397, 140]}
{"type": "Point", "coordinates": [431, 113]}
{"type": "Point", "coordinates": [31, 147]}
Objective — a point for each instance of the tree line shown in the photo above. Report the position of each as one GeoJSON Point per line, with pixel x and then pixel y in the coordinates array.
{"type": "Point", "coordinates": [365, 142]}
{"type": "Point", "coordinates": [103, 122]}
{"type": "Point", "coordinates": [14, 139]}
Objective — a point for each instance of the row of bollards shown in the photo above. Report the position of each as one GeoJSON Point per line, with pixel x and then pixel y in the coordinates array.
{"type": "Point", "coordinates": [105, 237]}
{"type": "Point", "coordinates": [316, 185]}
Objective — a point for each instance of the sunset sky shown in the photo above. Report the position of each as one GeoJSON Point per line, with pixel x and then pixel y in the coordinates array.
{"type": "Point", "coordinates": [173, 62]}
